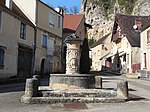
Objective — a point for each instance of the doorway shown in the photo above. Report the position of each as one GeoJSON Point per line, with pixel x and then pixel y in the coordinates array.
{"type": "Point", "coordinates": [42, 67]}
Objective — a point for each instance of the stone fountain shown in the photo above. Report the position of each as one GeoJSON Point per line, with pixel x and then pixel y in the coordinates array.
{"type": "Point", "coordinates": [73, 86]}
{"type": "Point", "coordinates": [72, 78]}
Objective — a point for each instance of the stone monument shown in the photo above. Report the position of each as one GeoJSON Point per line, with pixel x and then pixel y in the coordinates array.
{"type": "Point", "coordinates": [73, 54]}
{"type": "Point", "coordinates": [73, 86]}
{"type": "Point", "coordinates": [72, 78]}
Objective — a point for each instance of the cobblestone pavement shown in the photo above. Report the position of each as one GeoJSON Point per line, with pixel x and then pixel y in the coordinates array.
{"type": "Point", "coordinates": [10, 99]}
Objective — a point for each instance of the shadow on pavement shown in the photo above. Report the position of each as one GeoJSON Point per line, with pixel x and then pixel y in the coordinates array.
{"type": "Point", "coordinates": [133, 97]}
{"type": "Point", "coordinates": [105, 73]}
{"type": "Point", "coordinates": [12, 88]}
{"type": "Point", "coordinates": [18, 86]}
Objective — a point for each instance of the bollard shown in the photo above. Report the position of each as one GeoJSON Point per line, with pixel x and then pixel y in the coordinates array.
{"type": "Point", "coordinates": [98, 82]}
{"type": "Point", "coordinates": [31, 89]}
{"type": "Point", "coordinates": [38, 79]}
{"type": "Point", "coordinates": [122, 89]}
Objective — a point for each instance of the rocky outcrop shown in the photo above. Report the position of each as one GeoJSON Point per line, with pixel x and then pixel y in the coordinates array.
{"type": "Point", "coordinates": [101, 15]}
{"type": "Point", "coordinates": [142, 8]}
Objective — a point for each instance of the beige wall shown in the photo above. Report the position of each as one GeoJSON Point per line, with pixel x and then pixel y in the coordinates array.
{"type": "Point", "coordinates": [52, 63]}
{"type": "Point", "coordinates": [81, 29]}
{"type": "Point", "coordinates": [95, 55]}
{"type": "Point", "coordinates": [43, 19]}
{"type": "Point", "coordinates": [132, 53]}
{"type": "Point", "coordinates": [9, 38]}
{"type": "Point", "coordinates": [40, 51]}
{"type": "Point", "coordinates": [98, 53]}
{"type": "Point", "coordinates": [145, 48]}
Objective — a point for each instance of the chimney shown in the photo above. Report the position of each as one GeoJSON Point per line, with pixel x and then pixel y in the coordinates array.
{"type": "Point", "coordinates": [138, 23]}
{"type": "Point", "coordinates": [8, 4]}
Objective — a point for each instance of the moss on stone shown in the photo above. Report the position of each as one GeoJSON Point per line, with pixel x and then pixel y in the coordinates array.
{"type": "Point", "coordinates": [108, 5]}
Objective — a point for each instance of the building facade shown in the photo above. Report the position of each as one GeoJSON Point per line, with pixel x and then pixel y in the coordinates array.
{"type": "Point", "coordinates": [99, 53]}
{"type": "Point", "coordinates": [16, 42]}
{"type": "Point", "coordinates": [48, 34]}
{"type": "Point", "coordinates": [145, 49]}
{"type": "Point", "coordinates": [126, 47]}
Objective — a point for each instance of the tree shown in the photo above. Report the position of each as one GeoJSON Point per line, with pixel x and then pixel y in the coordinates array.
{"type": "Point", "coordinates": [74, 10]}
{"type": "Point", "coordinates": [65, 9]}
{"type": "Point", "coordinates": [84, 59]}
{"type": "Point", "coordinates": [91, 41]}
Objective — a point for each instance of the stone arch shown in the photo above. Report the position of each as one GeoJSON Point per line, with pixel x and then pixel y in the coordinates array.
{"type": "Point", "coordinates": [42, 66]}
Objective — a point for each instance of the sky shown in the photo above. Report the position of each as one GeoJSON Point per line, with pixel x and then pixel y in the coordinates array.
{"type": "Point", "coordinates": [67, 3]}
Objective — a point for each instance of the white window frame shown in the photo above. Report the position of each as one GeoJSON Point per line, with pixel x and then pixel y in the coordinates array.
{"type": "Point", "coordinates": [23, 34]}
{"type": "Point", "coordinates": [51, 20]}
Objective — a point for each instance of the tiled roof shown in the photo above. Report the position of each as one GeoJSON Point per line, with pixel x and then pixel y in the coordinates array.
{"type": "Point", "coordinates": [126, 24]}
{"type": "Point", "coordinates": [72, 21]}
{"type": "Point", "coordinates": [100, 41]}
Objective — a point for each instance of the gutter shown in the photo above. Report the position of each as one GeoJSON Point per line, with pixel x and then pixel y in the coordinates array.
{"type": "Point", "coordinates": [35, 39]}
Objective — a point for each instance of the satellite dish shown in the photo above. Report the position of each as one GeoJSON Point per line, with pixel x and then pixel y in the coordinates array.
{"type": "Point", "coordinates": [135, 27]}
{"type": "Point", "coordinates": [57, 9]}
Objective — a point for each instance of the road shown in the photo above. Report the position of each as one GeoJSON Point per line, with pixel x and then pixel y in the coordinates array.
{"type": "Point", "coordinates": [10, 99]}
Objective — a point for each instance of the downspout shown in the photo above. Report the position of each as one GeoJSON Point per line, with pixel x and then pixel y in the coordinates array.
{"type": "Point", "coordinates": [62, 44]}
{"type": "Point", "coordinates": [35, 38]}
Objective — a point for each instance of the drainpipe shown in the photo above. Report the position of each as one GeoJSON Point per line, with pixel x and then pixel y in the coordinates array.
{"type": "Point", "coordinates": [35, 38]}
{"type": "Point", "coordinates": [62, 43]}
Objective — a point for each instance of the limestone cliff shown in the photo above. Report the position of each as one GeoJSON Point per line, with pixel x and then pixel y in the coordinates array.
{"type": "Point", "coordinates": [100, 14]}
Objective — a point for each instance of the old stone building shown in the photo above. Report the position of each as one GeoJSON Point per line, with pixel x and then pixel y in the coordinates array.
{"type": "Point", "coordinates": [126, 42]}
{"type": "Point", "coordinates": [48, 34]}
{"type": "Point", "coordinates": [16, 42]}
{"type": "Point", "coordinates": [99, 53]}
{"type": "Point", "coordinates": [145, 47]}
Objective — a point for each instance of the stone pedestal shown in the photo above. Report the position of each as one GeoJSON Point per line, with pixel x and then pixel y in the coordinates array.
{"type": "Point", "coordinates": [68, 81]}
{"type": "Point", "coordinates": [98, 82]}
{"type": "Point", "coordinates": [73, 55]}
{"type": "Point", "coordinates": [72, 78]}
{"type": "Point", "coordinates": [31, 88]}
{"type": "Point", "coordinates": [122, 89]}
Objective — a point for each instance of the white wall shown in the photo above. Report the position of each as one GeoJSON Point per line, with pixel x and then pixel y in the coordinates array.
{"type": "Point", "coordinates": [28, 7]}
{"type": "Point", "coordinates": [145, 48]}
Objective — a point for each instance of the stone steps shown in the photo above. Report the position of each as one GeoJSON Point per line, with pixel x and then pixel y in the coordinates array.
{"type": "Point", "coordinates": [52, 100]}
{"type": "Point", "coordinates": [80, 93]}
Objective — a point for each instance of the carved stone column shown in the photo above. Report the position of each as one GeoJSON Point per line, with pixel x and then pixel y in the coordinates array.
{"type": "Point", "coordinates": [73, 54]}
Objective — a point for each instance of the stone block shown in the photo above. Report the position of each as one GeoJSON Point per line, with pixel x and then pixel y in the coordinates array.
{"type": "Point", "coordinates": [38, 78]}
{"type": "Point", "coordinates": [132, 75]}
{"type": "Point", "coordinates": [31, 88]}
{"type": "Point", "coordinates": [122, 89]}
{"type": "Point", "coordinates": [80, 80]}
{"type": "Point", "coordinates": [98, 82]}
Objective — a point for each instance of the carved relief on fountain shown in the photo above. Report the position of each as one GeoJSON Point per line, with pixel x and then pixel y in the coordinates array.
{"type": "Point", "coordinates": [73, 55]}
{"type": "Point", "coordinates": [73, 59]}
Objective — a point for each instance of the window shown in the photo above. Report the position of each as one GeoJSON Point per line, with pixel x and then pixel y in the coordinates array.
{"type": "Point", "coordinates": [128, 59]}
{"type": "Point", "coordinates": [148, 36]}
{"type": "Point", "coordinates": [145, 62]}
{"type": "Point", "coordinates": [23, 31]}
{"type": "Point", "coordinates": [0, 20]}
{"type": "Point", "coordinates": [1, 58]}
{"type": "Point", "coordinates": [44, 41]}
{"type": "Point", "coordinates": [51, 20]}
{"type": "Point", "coordinates": [59, 21]}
